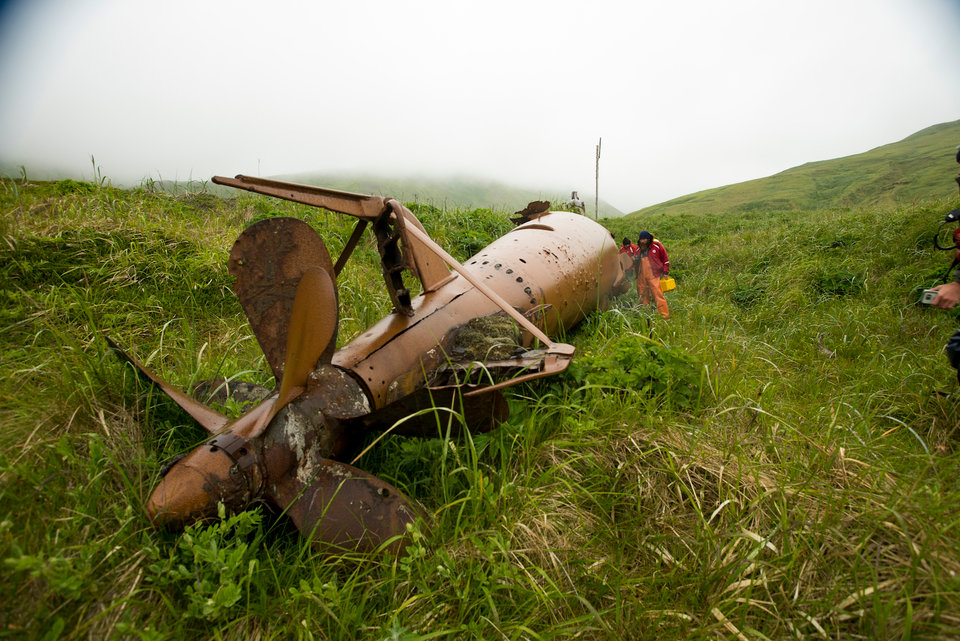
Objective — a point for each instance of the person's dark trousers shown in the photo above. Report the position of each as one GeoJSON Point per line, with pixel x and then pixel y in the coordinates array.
{"type": "Point", "coordinates": [953, 352]}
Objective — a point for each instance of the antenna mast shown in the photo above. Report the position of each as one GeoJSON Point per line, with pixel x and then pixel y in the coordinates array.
{"type": "Point", "coordinates": [596, 188]}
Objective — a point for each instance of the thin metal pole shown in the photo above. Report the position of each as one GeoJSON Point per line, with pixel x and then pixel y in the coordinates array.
{"type": "Point", "coordinates": [596, 187]}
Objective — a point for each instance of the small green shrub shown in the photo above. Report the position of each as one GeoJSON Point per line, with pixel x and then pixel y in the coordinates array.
{"type": "Point", "coordinates": [837, 283]}
{"type": "Point", "coordinates": [761, 265]}
{"type": "Point", "coordinates": [425, 213]}
{"type": "Point", "coordinates": [842, 240]}
{"type": "Point", "coordinates": [211, 567]}
{"type": "Point", "coordinates": [476, 229]}
{"type": "Point", "coordinates": [639, 365]}
{"type": "Point", "coordinates": [70, 186]}
{"type": "Point", "coordinates": [748, 296]}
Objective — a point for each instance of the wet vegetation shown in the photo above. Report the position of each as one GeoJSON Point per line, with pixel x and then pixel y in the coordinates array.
{"type": "Point", "coordinates": [778, 460]}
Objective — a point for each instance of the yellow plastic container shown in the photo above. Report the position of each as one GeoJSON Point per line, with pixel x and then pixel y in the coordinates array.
{"type": "Point", "coordinates": [667, 284]}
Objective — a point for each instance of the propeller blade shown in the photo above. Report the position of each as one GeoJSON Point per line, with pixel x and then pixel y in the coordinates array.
{"type": "Point", "coordinates": [313, 329]}
{"type": "Point", "coordinates": [211, 420]}
{"type": "Point", "coordinates": [346, 507]}
{"type": "Point", "coordinates": [269, 260]}
{"type": "Point", "coordinates": [311, 338]}
{"type": "Point", "coordinates": [285, 284]}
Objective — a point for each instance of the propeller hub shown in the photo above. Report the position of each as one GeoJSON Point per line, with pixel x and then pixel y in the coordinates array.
{"type": "Point", "coordinates": [224, 470]}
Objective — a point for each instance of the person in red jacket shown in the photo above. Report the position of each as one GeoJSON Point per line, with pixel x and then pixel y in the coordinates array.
{"type": "Point", "coordinates": [632, 251]}
{"type": "Point", "coordinates": [651, 263]}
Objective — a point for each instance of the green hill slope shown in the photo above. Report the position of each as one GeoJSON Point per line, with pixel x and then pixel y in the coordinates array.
{"type": "Point", "coordinates": [919, 167]}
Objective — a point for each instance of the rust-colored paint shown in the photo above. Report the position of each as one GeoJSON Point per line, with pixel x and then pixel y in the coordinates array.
{"type": "Point", "coordinates": [566, 262]}
{"type": "Point", "coordinates": [290, 449]}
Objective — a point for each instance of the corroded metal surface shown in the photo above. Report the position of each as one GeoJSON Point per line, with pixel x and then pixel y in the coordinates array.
{"type": "Point", "coordinates": [347, 508]}
{"type": "Point", "coordinates": [268, 260]}
{"type": "Point", "coordinates": [434, 365]}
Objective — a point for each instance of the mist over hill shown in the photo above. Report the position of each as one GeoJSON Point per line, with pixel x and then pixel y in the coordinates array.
{"type": "Point", "coordinates": [459, 192]}
{"type": "Point", "coordinates": [920, 167]}
{"type": "Point", "coordinates": [448, 193]}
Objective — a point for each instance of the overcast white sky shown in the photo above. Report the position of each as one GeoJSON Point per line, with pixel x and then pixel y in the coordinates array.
{"type": "Point", "coordinates": [686, 94]}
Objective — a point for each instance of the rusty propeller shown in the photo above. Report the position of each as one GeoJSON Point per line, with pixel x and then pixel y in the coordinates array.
{"type": "Point", "coordinates": [279, 450]}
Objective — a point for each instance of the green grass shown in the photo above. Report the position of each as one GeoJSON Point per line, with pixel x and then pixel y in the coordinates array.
{"type": "Point", "coordinates": [919, 167]}
{"type": "Point", "coordinates": [778, 460]}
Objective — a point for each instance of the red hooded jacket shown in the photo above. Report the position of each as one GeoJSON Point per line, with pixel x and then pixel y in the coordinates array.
{"type": "Point", "coordinates": [634, 252]}
{"type": "Point", "coordinates": [659, 262]}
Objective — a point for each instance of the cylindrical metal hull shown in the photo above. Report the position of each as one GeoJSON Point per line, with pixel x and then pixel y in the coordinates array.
{"type": "Point", "coordinates": [563, 263]}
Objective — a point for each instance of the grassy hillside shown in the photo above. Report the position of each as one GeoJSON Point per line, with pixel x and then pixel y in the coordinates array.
{"type": "Point", "coordinates": [779, 460]}
{"type": "Point", "coordinates": [919, 167]}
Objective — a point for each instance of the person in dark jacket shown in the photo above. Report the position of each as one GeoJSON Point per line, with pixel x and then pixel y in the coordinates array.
{"type": "Point", "coordinates": [958, 171]}
{"type": "Point", "coordinates": [948, 295]}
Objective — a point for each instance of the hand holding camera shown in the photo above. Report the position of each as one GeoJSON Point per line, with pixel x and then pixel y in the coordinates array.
{"type": "Point", "coordinates": [943, 296]}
